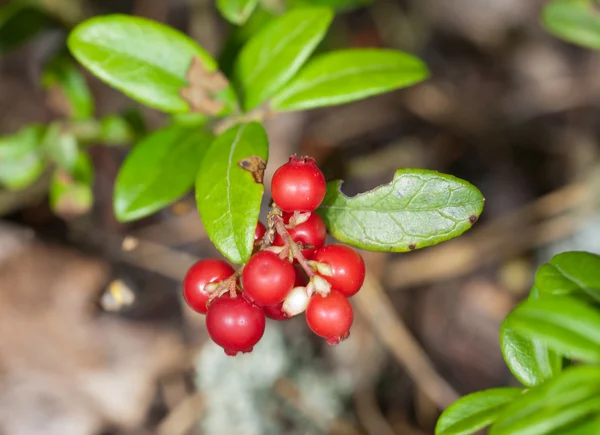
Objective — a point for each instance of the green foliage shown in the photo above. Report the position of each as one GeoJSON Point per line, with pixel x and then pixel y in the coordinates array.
{"type": "Point", "coordinates": [529, 359]}
{"type": "Point", "coordinates": [62, 77]}
{"type": "Point", "coordinates": [274, 54]}
{"type": "Point", "coordinates": [146, 60]}
{"type": "Point", "coordinates": [229, 189]}
{"type": "Point", "coordinates": [347, 75]}
{"type": "Point", "coordinates": [236, 11]}
{"type": "Point", "coordinates": [158, 170]}
{"type": "Point", "coordinates": [418, 208]}
{"type": "Point", "coordinates": [475, 411]}
{"type": "Point", "coordinates": [570, 272]}
{"type": "Point", "coordinates": [576, 21]}
{"type": "Point", "coordinates": [21, 20]}
{"type": "Point", "coordinates": [21, 157]}
{"type": "Point", "coordinates": [71, 193]}
{"type": "Point", "coordinates": [337, 5]}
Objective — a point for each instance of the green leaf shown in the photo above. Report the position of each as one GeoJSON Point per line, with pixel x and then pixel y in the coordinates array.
{"type": "Point", "coordinates": [529, 360]}
{"type": "Point", "coordinates": [570, 272]}
{"type": "Point", "coordinates": [570, 398]}
{"type": "Point", "coordinates": [563, 323]}
{"type": "Point", "coordinates": [115, 130]}
{"type": "Point", "coordinates": [20, 21]}
{"type": "Point", "coordinates": [64, 81]}
{"type": "Point", "coordinates": [272, 56]}
{"type": "Point", "coordinates": [227, 195]}
{"type": "Point", "coordinates": [71, 194]}
{"type": "Point", "coordinates": [576, 21]}
{"type": "Point", "coordinates": [336, 5]}
{"type": "Point", "coordinates": [236, 11]}
{"type": "Point", "coordinates": [475, 411]}
{"type": "Point", "coordinates": [21, 159]}
{"type": "Point", "coordinates": [146, 60]}
{"type": "Point", "coordinates": [61, 146]}
{"type": "Point", "coordinates": [348, 75]}
{"type": "Point", "coordinates": [158, 170]}
{"type": "Point", "coordinates": [418, 208]}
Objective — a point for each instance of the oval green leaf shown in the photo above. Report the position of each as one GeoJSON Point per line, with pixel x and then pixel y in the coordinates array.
{"type": "Point", "coordinates": [570, 272]}
{"type": "Point", "coordinates": [576, 21]}
{"type": "Point", "coordinates": [146, 60]}
{"type": "Point", "coordinates": [418, 208]}
{"type": "Point", "coordinates": [565, 324]}
{"type": "Point", "coordinates": [475, 411]}
{"type": "Point", "coordinates": [570, 398]}
{"type": "Point", "coordinates": [529, 360]}
{"type": "Point", "coordinates": [159, 169]}
{"type": "Point", "coordinates": [227, 195]}
{"type": "Point", "coordinates": [348, 75]}
{"type": "Point", "coordinates": [272, 56]}
{"type": "Point", "coordinates": [21, 159]}
{"type": "Point", "coordinates": [236, 11]}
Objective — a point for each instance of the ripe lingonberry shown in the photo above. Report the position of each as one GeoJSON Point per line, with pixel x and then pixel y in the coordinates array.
{"type": "Point", "coordinates": [259, 232]}
{"type": "Point", "coordinates": [312, 232]}
{"type": "Point", "coordinates": [235, 324]}
{"type": "Point", "coordinates": [275, 312]}
{"type": "Point", "coordinates": [298, 185]}
{"type": "Point", "coordinates": [198, 276]}
{"type": "Point", "coordinates": [347, 268]}
{"type": "Point", "coordinates": [330, 317]}
{"type": "Point", "coordinates": [267, 279]}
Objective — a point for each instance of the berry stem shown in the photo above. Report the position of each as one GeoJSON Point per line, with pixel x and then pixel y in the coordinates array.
{"type": "Point", "coordinates": [279, 225]}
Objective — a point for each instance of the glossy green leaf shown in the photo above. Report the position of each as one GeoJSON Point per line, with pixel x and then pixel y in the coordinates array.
{"type": "Point", "coordinates": [475, 411]}
{"type": "Point", "coordinates": [564, 324]}
{"type": "Point", "coordinates": [570, 398]}
{"type": "Point", "coordinates": [272, 56]}
{"type": "Point", "coordinates": [62, 77]}
{"type": "Point", "coordinates": [236, 11]}
{"type": "Point", "coordinates": [20, 21]}
{"type": "Point", "coordinates": [570, 272]}
{"type": "Point", "coordinates": [21, 158]}
{"type": "Point", "coordinates": [227, 195]}
{"type": "Point", "coordinates": [348, 75]}
{"type": "Point", "coordinates": [529, 360]}
{"type": "Point", "coordinates": [418, 208]}
{"type": "Point", "coordinates": [71, 194]}
{"type": "Point", "coordinates": [146, 60]}
{"type": "Point", "coordinates": [158, 170]}
{"type": "Point", "coordinates": [576, 21]}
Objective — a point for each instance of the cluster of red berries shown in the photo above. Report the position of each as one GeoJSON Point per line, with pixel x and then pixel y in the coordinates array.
{"type": "Point", "coordinates": [290, 272]}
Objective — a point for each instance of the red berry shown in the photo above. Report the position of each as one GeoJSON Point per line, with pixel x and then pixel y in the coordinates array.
{"type": "Point", "coordinates": [330, 317]}
{"type": "Point", "coordinates": [312, 232]}
{"type": "Point", "coordinates": [298, 185]}
{"type": "Point", "coordinates": [347, 268]}
{"type": "Point", "coordinates": [235, 324]}
{"type": "Point", "coordinates": [267, 279]}
{"type": "Point", "coordinates": [301, 278]}
{"type": "Point", "coordinates": [275, 312]}
{"type": "Point", "coordinates": [198, 276]}
{"type": "Point", "coordinates": [259, 232]}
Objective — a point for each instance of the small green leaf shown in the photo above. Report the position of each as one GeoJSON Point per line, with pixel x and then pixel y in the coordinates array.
{"type": "Point", "coordinates": [348, 75]}
{"type": "Point", "coordinates": [146, 60]}
{"type": "Point", "coordinates": [570, 272]}
{"type": "Point", "coordinates": [61, 146]}
{"type": "Point", "coordinates": [418, 208]}
{"type": "Point", "coordinates": [272, 56]}
{"type": "Point", "coordinates": [158, 170]}
{"type": "Point", "coordinates": [576, 21]}
{"type": "Point", "coordinates": [115, 130]}
{"type": "Point", "coordinates": [21, 159]}
{"type": "Point", "coordinates": [229, 196]}
{"type": "Point", "coordinates": [528, 359]}
{"type": "Point", "coordinates": [336, 5]}
{"type": "Point", "coordinates": [20, 21]}
{"type": "Point", "coordinates": [570, 398]}
{"type": "Point", "coordinates": [475, 411]}
{"type": "Point", "coordinates": [564, 324]}
{"type": "Point", "coordinates": [64, 81]}
{"type": "Point", "coordinates": [236, 11]}
{"type": "Point", "coordinates": [71, 194]}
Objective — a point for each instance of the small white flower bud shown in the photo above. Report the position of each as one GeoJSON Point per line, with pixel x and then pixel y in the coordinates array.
{"type": "Point", "coordinates": [295, 302]}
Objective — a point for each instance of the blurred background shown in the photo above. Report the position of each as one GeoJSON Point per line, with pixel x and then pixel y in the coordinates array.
{"type": "Point", "coordinates": [94, 337]}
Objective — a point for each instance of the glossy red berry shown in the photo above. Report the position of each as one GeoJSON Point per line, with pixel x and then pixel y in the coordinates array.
{"type": "Point", "coordinates": [347, 268]}
{"type": "Point", "coordinates": [330, 317]}
{"type": "Point", "coordinates": [235, 324]}
{"type": "Point", "coordinates": [198, 276]}
{"type": "Point", "coordinates": [259, 232]}
{"type": "Point", "coordinates": [312, 232]}
{"type": "Point", "coordinates": [298, 185]}
{"type": "Point", "coordinates": [267, 279]}
{"type": "Point", "coordinates": [275, 312]}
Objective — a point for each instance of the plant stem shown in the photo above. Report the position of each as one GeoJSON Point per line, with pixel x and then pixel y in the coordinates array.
{"type": "Point", "coordinates": [292, 246]}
